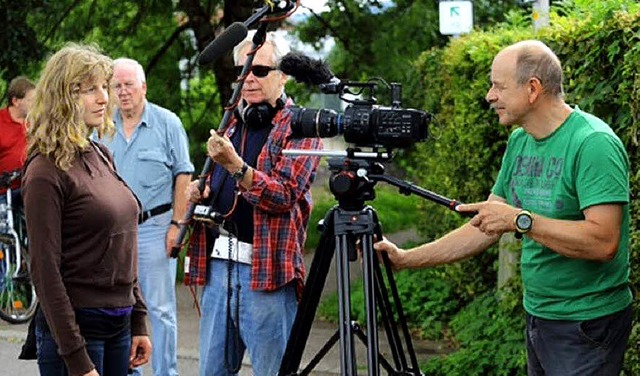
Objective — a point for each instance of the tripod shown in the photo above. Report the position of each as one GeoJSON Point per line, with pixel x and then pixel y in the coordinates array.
{"type": "Point", "coordinates": [352, 183]}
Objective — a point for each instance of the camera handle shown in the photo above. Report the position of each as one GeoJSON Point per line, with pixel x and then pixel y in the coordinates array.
{"type": "Point", "coordinates": [407, 189]}
{"type": "Point", "coordinates": [365, 161]}
{"type": "Point", "coordinates": [258, 40]}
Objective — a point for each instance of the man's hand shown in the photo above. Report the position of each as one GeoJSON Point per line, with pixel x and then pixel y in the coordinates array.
{"type": "Point", "coordinates": [193, 193]}
{"type": "Point", "coordinates": [221, 150]}
{"type": "Point", "coordinates": [396, 255]}
{"type": "Point", "coordinates": [171, 238]}
{"type": "Point", "coordinates": [493, 218]}
{"type": "Point", "coordinates": [140, 351]}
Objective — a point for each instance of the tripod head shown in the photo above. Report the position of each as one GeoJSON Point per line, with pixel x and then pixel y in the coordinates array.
{"type": "Point", "coordinates": [350, 183]}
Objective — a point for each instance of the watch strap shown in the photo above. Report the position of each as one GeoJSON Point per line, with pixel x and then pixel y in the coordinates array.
{"type": "Point", "coordinates": [239, 175]}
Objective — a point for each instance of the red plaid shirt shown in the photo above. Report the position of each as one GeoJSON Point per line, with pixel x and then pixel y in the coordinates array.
{"type": "Point", "coordinates": [281, 197]}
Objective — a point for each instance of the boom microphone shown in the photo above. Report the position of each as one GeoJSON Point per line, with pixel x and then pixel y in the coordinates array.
{"type": "Point", "coordinates": [313, 72]}
{"type": "Point", "coordinates": [230, 37]}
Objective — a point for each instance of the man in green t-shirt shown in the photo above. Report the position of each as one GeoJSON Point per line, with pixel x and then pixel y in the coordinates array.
{"type": "Point", "coordinates": [563, 187]}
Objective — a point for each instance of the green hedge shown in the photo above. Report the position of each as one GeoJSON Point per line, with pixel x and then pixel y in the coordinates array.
{"type": "Point", "coordinates": [600, 50]}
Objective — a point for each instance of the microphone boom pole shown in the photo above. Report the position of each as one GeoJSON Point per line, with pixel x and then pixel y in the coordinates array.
{"type": "Point", "coordinates": [258, 40]}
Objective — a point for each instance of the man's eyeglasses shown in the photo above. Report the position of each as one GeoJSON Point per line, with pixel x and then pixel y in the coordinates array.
{"type": "Point", "coordinates": [127, 85]}
{"type": "Point", "coordinates": [257, 70]}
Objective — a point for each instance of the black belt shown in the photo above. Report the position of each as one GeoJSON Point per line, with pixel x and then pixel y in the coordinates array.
{"type": "Point", "coordinates": [153, 212]}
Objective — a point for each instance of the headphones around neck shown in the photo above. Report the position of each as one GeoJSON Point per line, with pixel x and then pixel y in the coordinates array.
{"type": "Point", "coordinates": [259, 115]}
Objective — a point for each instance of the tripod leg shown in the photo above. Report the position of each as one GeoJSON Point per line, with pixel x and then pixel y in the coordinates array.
{"type": "Point", "coordinates": [347, 350]}
{"type": "Point", "coordinates": [310, 299]}
{"type": "Point", "coordinates": [341, 228]}
{"type": "Point", "coordinates": [390, 324]}
{"type": "Point", "coordinates": [370, 301]}
{"type": "Point", "coordinates": [401, 317]}
{"type": "Point", "coordinates": [387, 314]}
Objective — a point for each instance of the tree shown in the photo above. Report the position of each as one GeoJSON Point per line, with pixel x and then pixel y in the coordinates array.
{"type": "Point", "coordinates": [164, 39]}
{"type": "Point", "coordinates": [375, 38]}
{"type": "Point", "coordinates": [19, 44]}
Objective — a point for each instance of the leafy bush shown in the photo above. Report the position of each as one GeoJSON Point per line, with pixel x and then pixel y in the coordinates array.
{"type": "Point", "coordinates": [198, 117]}
{"type": "Point", "coordinates": [427, 301]}
{"type": "Point", "coordinates": [490, 333]}
{"type": "Point", "coordinates": [598, 43]}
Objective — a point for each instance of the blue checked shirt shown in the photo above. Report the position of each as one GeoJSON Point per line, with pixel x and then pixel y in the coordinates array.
{"type": "Point", "coordinates": [156, 153]}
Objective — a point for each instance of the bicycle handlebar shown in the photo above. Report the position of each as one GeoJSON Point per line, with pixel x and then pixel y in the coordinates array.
{"type": "Point", "coordinates": [8, 177]}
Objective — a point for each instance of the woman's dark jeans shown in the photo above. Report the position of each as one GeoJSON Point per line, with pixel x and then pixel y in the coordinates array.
{"type": "Point", "coordinates": [109, 353]}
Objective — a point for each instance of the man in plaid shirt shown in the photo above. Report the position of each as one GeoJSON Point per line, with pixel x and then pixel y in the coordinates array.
{"type": "Point", "coordinates": [252, 266]}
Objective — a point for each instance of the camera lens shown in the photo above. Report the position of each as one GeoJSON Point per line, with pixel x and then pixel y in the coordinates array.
{"type": "Point", "coordinates": [363, 124]}
{"type": "Point", "coordinates": [314, 123]}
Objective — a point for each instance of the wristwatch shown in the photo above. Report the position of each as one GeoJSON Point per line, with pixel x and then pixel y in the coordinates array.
{"type": "Point", "coordinates": [523, 222]}
{"type": "Point", "coordinates": [239, 175]}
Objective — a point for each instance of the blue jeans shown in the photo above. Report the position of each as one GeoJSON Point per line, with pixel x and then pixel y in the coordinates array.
{"type": "Point", "coordinates": [577, 348]}
{"type": "Point", "coordinates": [110, 356]}
{"type": "Point", "coordinates": [157, 278]}
{"type": "Point", "coordinates": [265, 321]}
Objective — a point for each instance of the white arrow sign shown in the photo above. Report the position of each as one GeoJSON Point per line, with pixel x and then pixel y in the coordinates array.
{"type": "Point", "coordinates": [456, 17]}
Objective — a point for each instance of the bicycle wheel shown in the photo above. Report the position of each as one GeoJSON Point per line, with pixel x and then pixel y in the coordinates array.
{"type": "Point", "coordinates": [18, 299]}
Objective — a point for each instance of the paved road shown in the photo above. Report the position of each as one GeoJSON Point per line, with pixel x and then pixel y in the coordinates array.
{"type": "Point", "coordinates": [10, 365]}
{"type": "Point", "coordinates": [11, 337]}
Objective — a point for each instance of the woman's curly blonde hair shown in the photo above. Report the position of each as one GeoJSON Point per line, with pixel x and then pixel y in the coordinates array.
{"type": "Point", "coordinates": [56, 126]}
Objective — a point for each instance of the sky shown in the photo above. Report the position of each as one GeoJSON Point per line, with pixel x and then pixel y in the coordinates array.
{"type": "Point", "coordinates": [317, 6]}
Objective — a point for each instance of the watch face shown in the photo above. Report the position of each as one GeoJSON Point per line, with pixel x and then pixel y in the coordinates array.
{"type": "Point", "coordinates": [523, 221]}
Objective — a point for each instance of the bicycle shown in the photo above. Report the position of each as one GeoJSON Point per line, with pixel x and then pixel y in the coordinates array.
{"type": "Point", "coordinates": [18, 300]}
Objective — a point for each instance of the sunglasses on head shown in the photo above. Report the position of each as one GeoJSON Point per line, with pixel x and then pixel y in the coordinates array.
{"type": "Point", "coordinates": [257, 70]}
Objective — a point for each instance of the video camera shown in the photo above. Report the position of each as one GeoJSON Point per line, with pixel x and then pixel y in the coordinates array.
{"type": "Point", "coordinates": [363, 122]}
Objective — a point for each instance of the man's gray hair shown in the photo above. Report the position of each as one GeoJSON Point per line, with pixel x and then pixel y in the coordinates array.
{"type": "Point", "coordinates": [536, 59]}
{"type": "Point", "coordinates": [132, 63]}
{"type": "Point", "coordinates": [280, 46]}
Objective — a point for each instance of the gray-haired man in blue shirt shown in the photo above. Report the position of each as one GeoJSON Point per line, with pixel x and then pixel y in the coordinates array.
{"type": "Point", "coordinates": [151, 153]}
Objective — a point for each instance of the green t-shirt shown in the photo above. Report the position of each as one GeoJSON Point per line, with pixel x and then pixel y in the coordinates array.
{"type": "Point", "coordinates": [583, 163]}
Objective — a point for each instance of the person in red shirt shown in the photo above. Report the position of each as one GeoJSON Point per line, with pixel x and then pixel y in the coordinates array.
{"type": "Point", "coordinates": [13, 142]}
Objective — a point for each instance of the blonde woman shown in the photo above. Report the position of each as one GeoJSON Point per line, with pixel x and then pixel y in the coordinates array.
{"type": "Point", "coordinates": [82, 225]}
